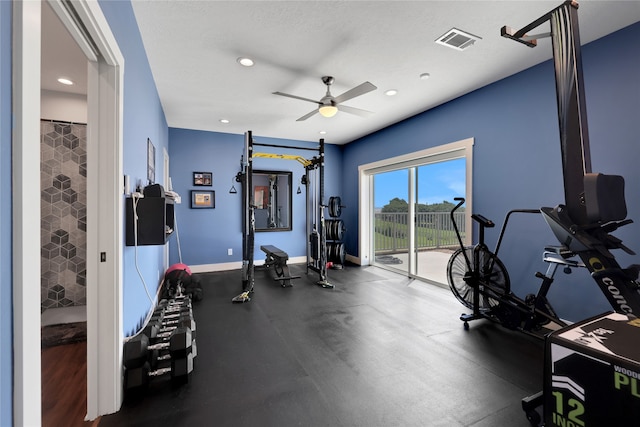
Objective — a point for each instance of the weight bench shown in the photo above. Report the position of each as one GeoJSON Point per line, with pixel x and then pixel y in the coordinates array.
{"type": "Point", "coordinates": [277, 258]}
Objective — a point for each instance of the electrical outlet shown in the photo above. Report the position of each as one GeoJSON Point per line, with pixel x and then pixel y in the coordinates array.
{"type": "Point", "coordinates": [229, 251]}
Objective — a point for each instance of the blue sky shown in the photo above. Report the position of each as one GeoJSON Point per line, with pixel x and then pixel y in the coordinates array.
{"type": "Point", "coordinates": [436, 182]}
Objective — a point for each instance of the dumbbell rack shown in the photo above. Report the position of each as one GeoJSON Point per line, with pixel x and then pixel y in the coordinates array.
{"type": "Point", "coordinates": [166, 345]}
{"type": "Point", "coordinates": [335, 232]}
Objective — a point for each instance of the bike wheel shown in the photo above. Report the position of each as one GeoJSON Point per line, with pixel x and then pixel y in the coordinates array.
{"type": "Point", "coordinates": [494, 280]}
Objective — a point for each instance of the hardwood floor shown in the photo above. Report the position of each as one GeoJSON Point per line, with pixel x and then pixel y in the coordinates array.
{"type": "Point", "coordinates": [64, 386]}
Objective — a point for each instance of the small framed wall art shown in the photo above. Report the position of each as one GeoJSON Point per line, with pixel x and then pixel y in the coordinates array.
{"type": "Point", "coordinates": [203, 179]}
{"type": "Point", "coordinates": [203, 199]}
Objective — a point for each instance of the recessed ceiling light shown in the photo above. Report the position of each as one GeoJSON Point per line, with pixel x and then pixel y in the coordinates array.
{"type": "Point", "coordinates": [425, 76]}
{"type": "Point", "coordinates": [391, 92]}
{"type": "Point", "coordinates": [323, 132]}
{"type": "Point", "coordinates": [65, 81]}
{"type": "Point", "coordinates": [246, 62]}
{"type": "Point", "coordinates": [225, 121]}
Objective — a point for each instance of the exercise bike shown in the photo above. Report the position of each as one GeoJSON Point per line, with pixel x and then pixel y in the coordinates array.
{"type": "Point", "coordinates": [480, 281]}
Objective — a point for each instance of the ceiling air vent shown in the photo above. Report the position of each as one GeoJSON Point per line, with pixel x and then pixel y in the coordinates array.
{"type": "Point", "coordinates": [457, 39]}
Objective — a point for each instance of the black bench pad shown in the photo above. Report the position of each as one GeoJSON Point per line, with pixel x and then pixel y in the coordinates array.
{"type": "Point", "coordinates": [277, 258]}
{"type": "Point", "coordinates": [274, 252]}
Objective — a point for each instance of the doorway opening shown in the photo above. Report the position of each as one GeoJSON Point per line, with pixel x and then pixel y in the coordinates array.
{"type": "Point", "coordinates": [104, 70]}
{"type": "Point", "coordinates": [63, 219]}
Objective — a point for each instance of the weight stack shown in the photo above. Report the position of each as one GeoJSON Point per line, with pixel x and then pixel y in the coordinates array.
{"type": "Point", "coordinates": [335, 230]}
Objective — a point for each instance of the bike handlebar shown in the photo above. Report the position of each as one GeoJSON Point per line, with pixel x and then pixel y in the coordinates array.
{"type": "Point", "coordinates": [460, 201]}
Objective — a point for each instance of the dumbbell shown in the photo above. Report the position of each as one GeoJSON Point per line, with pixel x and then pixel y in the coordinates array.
{"type": "Point", "coordinates": [139, 349]}
{"type": "Point", "coordinates": [159, 327]}
{"type": "Point", "coordinates": [165, 319]}
{"type": "Point", "coordinates": [177, 301]}
{"type": "Point", "coordinates": [167, 308]}
{"type": "Point", "coordinates": [137, 355]}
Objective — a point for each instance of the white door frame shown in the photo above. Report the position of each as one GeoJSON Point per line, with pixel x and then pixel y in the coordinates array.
{"type": "Point", "coordinates": [104, 207]}
{"type": "Point", "coordinates": [365, 189]}
{"type": "Point", "coordinates": [25, 195]}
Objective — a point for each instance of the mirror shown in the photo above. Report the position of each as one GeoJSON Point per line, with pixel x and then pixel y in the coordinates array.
{"type": "Point", "coordinates": [272, 198]}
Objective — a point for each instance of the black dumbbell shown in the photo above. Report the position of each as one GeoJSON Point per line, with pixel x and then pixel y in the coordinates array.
{"type": "Point", "coordinates": [165, 314]}
{"type": "Point", "coordinates": [139, 355]}
{"type": "Point", "coordinates": [178, 301]}
{"type": "Point", "coordinates": [159, 328]}
{"type": "Point", "coordinates": [137, 379]}
{"type": "Point", "coordinates": [139, 349]}
{"type": "Point", "coordinates": [165, 309]}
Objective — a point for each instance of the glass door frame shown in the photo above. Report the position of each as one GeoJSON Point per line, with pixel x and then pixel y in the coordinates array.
{"type": "Point", "coordinates": [366, 172]}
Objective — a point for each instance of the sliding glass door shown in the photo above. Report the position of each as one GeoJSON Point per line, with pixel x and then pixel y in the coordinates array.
{"type": "Point", "coordinates": [391, 223]}
{"type": "Point", "coordinates": [436, 185]}
{"type": "Point", "coordinates": [408, 201]}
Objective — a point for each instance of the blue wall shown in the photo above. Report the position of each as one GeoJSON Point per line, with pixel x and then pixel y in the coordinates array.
{"type": "Point", "coordinates": [143, 118]}
{"type": "Point", "coordinates": [206, 234]}
{"type": "Point", "coordinates": [517, 161]}
{"type": "Point", "coordinates": [6, 295]}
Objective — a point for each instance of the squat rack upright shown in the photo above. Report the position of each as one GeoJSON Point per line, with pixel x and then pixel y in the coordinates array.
{"type": "Point", "coordinates": [314, 211]}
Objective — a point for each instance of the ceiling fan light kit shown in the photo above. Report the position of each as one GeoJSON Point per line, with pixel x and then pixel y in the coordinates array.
{"type": "Point", "coordinates": [328, 110]}
{"type": "Point", "coordinates": [329, 105]}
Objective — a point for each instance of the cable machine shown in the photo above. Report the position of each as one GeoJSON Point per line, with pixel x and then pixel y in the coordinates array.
{"type": "Point", "coordinates": [313, 180]}
{"type": "Point", "coordinates": [316, 226]}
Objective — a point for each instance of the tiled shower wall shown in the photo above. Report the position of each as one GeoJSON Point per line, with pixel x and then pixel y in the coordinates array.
{"type": "Point", "coordinates": [63, 200]}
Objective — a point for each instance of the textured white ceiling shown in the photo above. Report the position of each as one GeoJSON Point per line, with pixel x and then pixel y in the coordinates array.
{"type": "Point", "coordinates": [192, 48]}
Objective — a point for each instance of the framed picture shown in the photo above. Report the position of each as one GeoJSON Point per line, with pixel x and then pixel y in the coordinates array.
{"type": "Point", "coordinates": [203, 199]}
{"type": "Point", "coordinates": [203, 178]}
{"type": "Point", "coordinates": [151, 162]}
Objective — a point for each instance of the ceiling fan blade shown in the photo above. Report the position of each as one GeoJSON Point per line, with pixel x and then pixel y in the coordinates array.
{"type": "Point", "coordinates": [306, 116]}
{"type": "Point", "coordinates": [296, 97]}
{"type": "Point", "coordinates": [356, 111]}
{"type": "Point", "coordinates": [365, 87]}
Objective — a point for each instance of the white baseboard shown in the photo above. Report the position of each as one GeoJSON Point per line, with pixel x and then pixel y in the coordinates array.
{"type": "Point", "coordinates": [237, 265]}
{"type": "Point", "coordinates": [353, 259]}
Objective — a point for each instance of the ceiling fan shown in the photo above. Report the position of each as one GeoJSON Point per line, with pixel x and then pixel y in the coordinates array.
{"type": "Point", "coordinates": [329, 105]}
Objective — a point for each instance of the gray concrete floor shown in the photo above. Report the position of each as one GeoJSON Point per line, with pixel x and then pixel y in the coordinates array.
{"type": "Point", "coordinates": [431, 265]}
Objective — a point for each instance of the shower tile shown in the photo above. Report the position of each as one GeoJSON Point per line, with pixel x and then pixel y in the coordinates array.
{"type": "Point", "coordinates": [68, 250]}
{"type": "Point", "coordinates": [51, 195]}
{"type": "Point", "coordinates": [62, 182]}
{"type": "Point", "coordinates": [60, 237]}
{"type": "Point", "coordinates": [63, 214]}
{"type": "Point", "coordinates": [50, 251]}
{"type": "Point", "coordinates": [70, 196]}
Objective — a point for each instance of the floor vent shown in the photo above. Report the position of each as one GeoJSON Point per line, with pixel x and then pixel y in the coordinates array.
{"type": "Point", "coordinates": [457, 39]}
